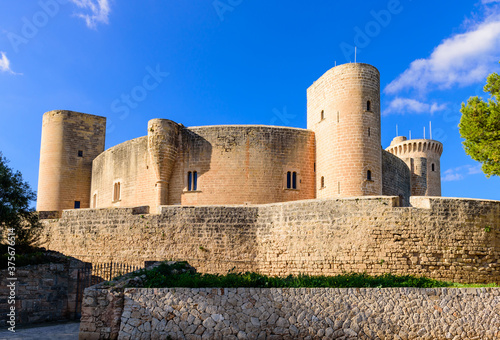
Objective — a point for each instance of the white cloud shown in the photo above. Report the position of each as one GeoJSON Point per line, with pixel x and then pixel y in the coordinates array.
{"type": "Point", "coordinates": [406, 105]}
{"type": "Point", "coordinates": [99, 11]}
{"type": "Point", "coordinates": [459, 173]}
{"type": "Point", "coordinates": [5, 63]}
{"type": "Point", "coordinates": [460, 60]}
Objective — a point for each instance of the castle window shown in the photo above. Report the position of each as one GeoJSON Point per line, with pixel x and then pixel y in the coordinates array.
{"type": "Point", "coordinates": [369, 132]}
{"type": "Point", "coordinates": [433, 167]}
{"type": "Point", "coordinates": [80, 153]}
{"type": "Point", "coordinates": [77, 204]}
{"type": "Point", "coordinates": [192, 180]}
{"type": "Point", "coordinates": [369, 175]}
{"type": "Point", "coordinates": [322, 182]}
{"type": "Point", "coordinates": [116, 192]}
{"type": "Point", "coordinates": [291, 180]}
{"type": "Point", "coordinates": [322, 114]}
{"type": "Point", "coordinates": [368, 106]}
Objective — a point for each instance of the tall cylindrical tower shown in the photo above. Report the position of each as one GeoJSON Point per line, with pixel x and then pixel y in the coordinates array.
{"type": "Point", "coordinates": [423, 158]}
{"type": "Point", "coordinates": [70, 142]}
{"type": "Point", "coordinates": [163, 146]}
{"type": "Point", "coordinates": [343, 109]}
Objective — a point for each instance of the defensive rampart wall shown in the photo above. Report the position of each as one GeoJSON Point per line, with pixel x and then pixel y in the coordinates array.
{"type": "Point", "coordinates": [443, 238]}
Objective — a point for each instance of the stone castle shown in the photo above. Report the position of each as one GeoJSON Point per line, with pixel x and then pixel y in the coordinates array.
{"type": "Point", "coordinates": [273, 200]}
{"type": "Point", "coordinates": [339, 155]}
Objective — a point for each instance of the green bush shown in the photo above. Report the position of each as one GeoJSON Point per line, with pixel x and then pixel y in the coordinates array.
{"type": "Point", "coordinates": [167, 275]}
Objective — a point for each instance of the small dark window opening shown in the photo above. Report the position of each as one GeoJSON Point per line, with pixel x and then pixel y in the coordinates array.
{"type": "Point", "coordinates": [369, 175]}
{"type": "Point", "coordinates": [369, 132]}
{"type": "Point", "coordinates": [322, 115]}
{"type": "Point", "coordinates": [368, 106]}
{"type": "Point", "coordinates": [80, 153]}
{"type": "Point", "coordinates": [294, 180]}
{"type": "Point", "coordinates": [77, 204]}
{"type": "Point", "coordinates": [192, 181]}
{"type": "Point", "coordinates": [322, 181]}
{"type": "Point", "coordinates": [433, 168]}
{"type": "Point", "coordinates": [288, 180]}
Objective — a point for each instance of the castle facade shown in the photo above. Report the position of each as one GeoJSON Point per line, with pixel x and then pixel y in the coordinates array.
{"type": "Point", "coordinates": [339, 155]}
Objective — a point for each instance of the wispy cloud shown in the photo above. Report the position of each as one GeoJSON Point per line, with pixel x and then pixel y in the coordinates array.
{"type": "Point", "coordinates": [459, 173]}
{"type": "Point", "coordinates": [407, 105]}
{"type": "Point", "coordinates": [99, 11]}
{"type": "Point", "coordinates": [5, 64]}
{"type": "Point", "coordinates": [460, 60]}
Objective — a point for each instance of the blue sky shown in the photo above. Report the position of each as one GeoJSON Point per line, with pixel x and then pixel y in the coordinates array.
{"type": "Point", "coordinates": [242, 62]}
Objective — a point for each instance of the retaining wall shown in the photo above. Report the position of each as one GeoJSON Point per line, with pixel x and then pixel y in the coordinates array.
{"type": "Point", "coordinates": [44, 292]}
{"type": "Point", "coordinates": [442, 238]}
{"type": "Point", "coordinates": [299, 313]}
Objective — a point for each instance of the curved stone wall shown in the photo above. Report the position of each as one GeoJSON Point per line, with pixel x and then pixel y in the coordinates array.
{"type": "Point", "coordinates": [70, 141]}
{"type": "Point", "coordinates": [238, 164]}
{"type": "Point", "coordinates": [449, 239]}
{"type": "Point", "coordinates": [343, 109]}
{"type": "Point", "coordinates": [396, 178]}
{"type": "Point", "coordinates": [423, 158]}
{"type": "Point", "coordinates": [127, 164]}
{"type": "Point", "coordinates": [233, 164]}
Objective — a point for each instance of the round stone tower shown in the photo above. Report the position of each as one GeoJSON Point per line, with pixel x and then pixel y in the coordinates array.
{"type": "Point", "coordinates": [423, 158]}
{"type": "Point", "coordinates": [163, 146]}
{"type": "Point", "coordinates": [343, 109]}
{"type": "Point", "coordinates": [70, 142]}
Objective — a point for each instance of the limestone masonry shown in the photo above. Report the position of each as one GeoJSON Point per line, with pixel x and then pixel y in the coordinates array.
{"type": "Point", "coordinates": [273, 200]}
{"type": "Point", "coordinates": [339, 155]}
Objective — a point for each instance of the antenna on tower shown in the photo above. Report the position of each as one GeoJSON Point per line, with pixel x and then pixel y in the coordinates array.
{"type": "Point", "coordinates": [397, 134]}
{"type": "Point", "coordinates": [355, 53]}
{"type": "Point", "coordinates": [410, 135]}
{"type": "Point", "coordinates": [424, 132]}
{"type": "Point", "coordinates": [430, 129]}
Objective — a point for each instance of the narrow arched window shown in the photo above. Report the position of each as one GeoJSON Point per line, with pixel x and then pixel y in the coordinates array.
{"type": "Point", "coordinates": [369, 132]}
{"type": "Point", "coordinates": [322, 114]}
{"type": "Point", "coordinates": [433, 167]}
{"type": "Point", "coordinates": [288, 179]}
{"type": "Point", "coordinates": [294, 180]}
{"type": "Point", "coordinates": [195, 180]}
{"type": "Point", "coordinates": [116, 192]}
{"type": "Point", "coordinates": [369, 175]}
{"type": "Point", "coordinates": [322, 181]}
{"type": "Point", "coordinates": [190, 180]}
{"type": "Point", "coordinates": [368, 106]}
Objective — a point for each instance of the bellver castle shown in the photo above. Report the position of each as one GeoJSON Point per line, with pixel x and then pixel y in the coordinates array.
{"type": "Point", "coordinates": [274, 200]}
{"type": "Point", "coordinates": [339, 155]}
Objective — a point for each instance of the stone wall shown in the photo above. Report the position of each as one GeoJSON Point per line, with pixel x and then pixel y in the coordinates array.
{"type": "Point", "coordinates": [396, 178]}
{"type": "Point", "coordinates": [347, 131]}
{"type": "Point", "coordinates": [443, 238]}
{"type": "Point", "coordinates": [303, 313]}
{"type": "Point", "coordinates": [70, 142]}
{"type": "Point", "coordinates": [44, 292]}
{"type": "Point", "coordinates": [234, 165]}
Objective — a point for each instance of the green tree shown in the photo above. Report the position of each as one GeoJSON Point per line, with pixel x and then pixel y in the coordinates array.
{"type": "Point", "coordinates": [480, 127]}
{"type": "Point", "coordinates": [15, 211]}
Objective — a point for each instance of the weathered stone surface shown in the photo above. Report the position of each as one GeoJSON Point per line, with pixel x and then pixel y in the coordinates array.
{"type": "Point", "coordinates": [389, 313]}
{"type": "Point", "coordinates": [443, 238]}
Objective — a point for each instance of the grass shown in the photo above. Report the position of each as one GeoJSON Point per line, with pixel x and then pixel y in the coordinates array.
{"type": "Point", "coordinates": [171, 276]}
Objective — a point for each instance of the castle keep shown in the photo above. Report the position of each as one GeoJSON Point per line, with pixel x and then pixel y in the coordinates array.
{"type": "Point", "coordinates": [339, 155]}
